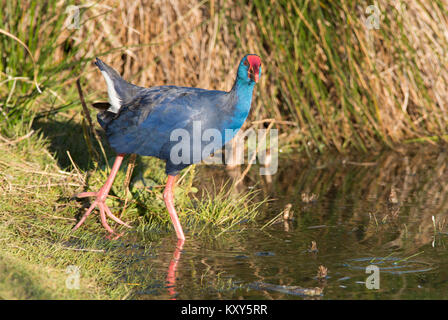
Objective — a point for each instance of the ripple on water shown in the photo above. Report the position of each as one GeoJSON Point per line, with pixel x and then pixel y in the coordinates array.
{"type": "Point", "coordinates": [392, 265]}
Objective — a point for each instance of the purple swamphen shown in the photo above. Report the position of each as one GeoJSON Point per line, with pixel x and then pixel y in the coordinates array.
{"type": "Point", "coordinates": [142, 121]}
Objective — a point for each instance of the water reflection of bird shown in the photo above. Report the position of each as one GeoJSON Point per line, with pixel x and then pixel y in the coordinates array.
{"type": "Point", "coordinates": [171, 274]}
{"type": "Point", "coordinates": [142, 120]}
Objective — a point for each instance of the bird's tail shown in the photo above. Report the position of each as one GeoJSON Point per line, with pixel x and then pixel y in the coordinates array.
{"type": "Point", "coordinates": [119, 90]}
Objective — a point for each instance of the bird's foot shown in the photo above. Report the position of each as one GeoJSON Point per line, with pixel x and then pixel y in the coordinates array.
{"type": "Point", "coordinates": [104, 210]}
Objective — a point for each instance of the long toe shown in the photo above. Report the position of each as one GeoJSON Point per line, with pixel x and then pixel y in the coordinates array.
{"type": "Point", "coordinates": [117, 220]}
{"type": "Point", "coordinates": [100, 198]}
{"type": "Point", "coordinates": [85, 194]}
{"type": "Point", "coordinates": [103, 218]}
{"type": "Point", "coordinates": [113, 236]}
{"type": "Point", "coordinates": [104, 211]}
{"type": "Point", "coordinates": [84, 217]}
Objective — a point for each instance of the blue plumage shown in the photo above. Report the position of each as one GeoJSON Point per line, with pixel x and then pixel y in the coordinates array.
{"type": "Point", "coordinates": [142, 120]}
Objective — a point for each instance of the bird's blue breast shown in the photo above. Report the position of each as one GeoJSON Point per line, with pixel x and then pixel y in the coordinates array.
{"type": "Point", "coordinates": [239, 113]}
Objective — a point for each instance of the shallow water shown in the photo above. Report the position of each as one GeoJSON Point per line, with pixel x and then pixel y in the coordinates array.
{"type": "Point", "coordinates": [387, 210]}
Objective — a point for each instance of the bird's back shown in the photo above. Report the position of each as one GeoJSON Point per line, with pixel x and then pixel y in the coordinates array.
{"type": "Point", "coordinates": [144, 125]}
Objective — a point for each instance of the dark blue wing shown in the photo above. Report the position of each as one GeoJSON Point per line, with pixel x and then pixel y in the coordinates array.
{"type": "Point", "coordinates": [144, 125]}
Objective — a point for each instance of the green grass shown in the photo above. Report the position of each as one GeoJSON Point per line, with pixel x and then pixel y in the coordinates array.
{"type": "Point", "coordinates": [37, 245]}
{"type": "Point", "coordinates": [38, 56]}
{"type": "Point", "coordinates": [221, 211]}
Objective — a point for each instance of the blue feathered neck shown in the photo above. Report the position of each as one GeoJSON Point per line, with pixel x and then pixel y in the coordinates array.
{"type": "Point", "coordinates": [242, 91]}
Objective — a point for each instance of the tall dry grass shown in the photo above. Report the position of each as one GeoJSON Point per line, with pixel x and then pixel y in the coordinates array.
{"type": "Point", "coordinates": [167, 42]}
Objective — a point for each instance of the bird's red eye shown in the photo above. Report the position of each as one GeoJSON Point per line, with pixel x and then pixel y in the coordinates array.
{"type": "Point", "coordinates": [246, 63]}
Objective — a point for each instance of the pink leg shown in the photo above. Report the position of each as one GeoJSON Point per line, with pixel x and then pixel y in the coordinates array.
{"type": "Point", "coordinates": [113, 217]}
{"type": "Point", "coordinates": [169, 202]}
{"type": "Point", "coordinates": [101, 198]}
{"type": "Point", "coordinates": [103, 219]}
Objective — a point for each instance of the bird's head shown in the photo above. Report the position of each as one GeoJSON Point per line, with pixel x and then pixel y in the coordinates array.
{"type": "Point", "coordinates": [250, 68]}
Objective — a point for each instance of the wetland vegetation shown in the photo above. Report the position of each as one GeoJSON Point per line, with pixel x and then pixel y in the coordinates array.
{"type": "Point", "coordinates": [362, 121]}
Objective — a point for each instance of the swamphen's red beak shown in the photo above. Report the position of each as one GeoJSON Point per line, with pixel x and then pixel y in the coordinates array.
{"type": "Point", "coordinates": [254, 67]}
